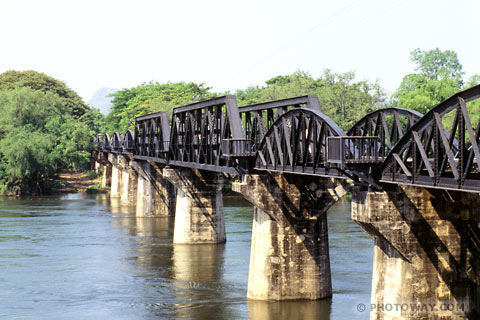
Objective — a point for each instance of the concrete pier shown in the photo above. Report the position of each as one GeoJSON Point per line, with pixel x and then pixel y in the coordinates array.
{"type": "Point", "coordinates": [155, 194]}
{"type": "Point", "coordinates": [426, 253]}
{"type": "Point", "coordinates": [199, 206]}
{"type": "Point", "coordinates": [116, 180]}
{"type": "Point", "coordinates": [106, 175]}
{"type": "Point", "coordinates": [289, 258]}
{"type": "Point", "coordinates": [129, 184]}
{"type": "Point", "coordinates": [124, 179]}
{"type": "Point", "coordinates": [98, 167]}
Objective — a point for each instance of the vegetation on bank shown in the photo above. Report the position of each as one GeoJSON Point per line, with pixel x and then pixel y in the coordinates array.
{"type": "Point", "coordinates": [46, 128]}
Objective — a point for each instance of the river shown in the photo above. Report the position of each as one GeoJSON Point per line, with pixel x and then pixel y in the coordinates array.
{"type": "Point", "coordinates": [80, 256]}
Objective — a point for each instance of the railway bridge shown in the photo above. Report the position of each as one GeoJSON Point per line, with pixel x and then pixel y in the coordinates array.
{"type": "Point", "coordinates": [414, 179]}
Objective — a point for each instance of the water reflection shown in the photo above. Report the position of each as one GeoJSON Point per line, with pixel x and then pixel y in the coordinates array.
{"type": "Point", "coordinates": [319, 310]}
{"type": "Point", "coordinates": [153, 249]}
{"type": "Point", "coordinates": [117, 207]}
{"type": "Point", "coordinates": [158, 227]}
{"type": "Point", "coordinates": [198, 272]}
{"type": "Point", "coordinates": [101, 198]}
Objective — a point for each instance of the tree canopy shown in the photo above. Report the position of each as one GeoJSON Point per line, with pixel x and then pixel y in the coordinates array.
{"type": "Point", "coordinates": [341, 97]}
{"type": "Point", "coordinates": [45, 128]}
{"type": "Point", "coordinates": [39, 81]}
{"type": "Point", "coordinates": [151, 97]}
{"type": "Point", "coordinates": [38, 138]}
{"type": "Point", "coordinates": [436, 64]}
{"type": "Point", "coordinates": [439, 76]}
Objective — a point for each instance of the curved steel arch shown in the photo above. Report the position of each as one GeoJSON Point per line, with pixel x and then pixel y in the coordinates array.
{"type": "Point", "coordinates": [106, 143]}
{"type": "Point", "coordinates": [388, 124]}
{"type": "Point", "coordinates": [152, 137]}
{"type": "Point", "coordinates": [117, 142]}
{"type": "Point", "coordinates": [297, 143]}
{"type": "Point", "coordinates": [258, 118]}
{"type": "Point", "coordinates": [138, 139]}
{"type": "Point", "coordinates": [129, 142]}
{"type": "Point", "coordinates": [427, 154]}
{"type": "Point", "coordinates": [149, 137]}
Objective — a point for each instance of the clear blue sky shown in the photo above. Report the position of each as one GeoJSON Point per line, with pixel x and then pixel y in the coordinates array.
{"type": "Point", "coordinates": [230, 44]}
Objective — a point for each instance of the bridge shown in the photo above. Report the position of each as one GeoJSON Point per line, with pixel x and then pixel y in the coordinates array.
{"type": "Point", "coordinates": [414, 180]}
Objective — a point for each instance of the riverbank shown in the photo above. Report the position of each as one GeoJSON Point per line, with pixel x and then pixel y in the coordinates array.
{"type": "Point", "coordinates": [78, 182]}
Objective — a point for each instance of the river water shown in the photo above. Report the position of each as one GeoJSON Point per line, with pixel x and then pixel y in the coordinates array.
{"type": "Point", "coordinates": [82, 256]}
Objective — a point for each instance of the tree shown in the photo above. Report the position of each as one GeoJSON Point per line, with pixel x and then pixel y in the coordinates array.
{"type": "Point", "coordinates": [151, 97]}
{"type": "Point", "coordinates": [341, 98]}
{"type": "Point", "coordinates": [346, 101]}
{"type": "Point", "coordinates": [251, 95]}
{"type": "Point", "coordinates": [298, 83]}
{"type": "Point", "coordinates": [39, 81]}
{"type": "Point", "coordinates": [436, 64]}
{"type": "Point", "coordinates": [440, 77]}
{"type": "Point", "coordinates": [38, 137]}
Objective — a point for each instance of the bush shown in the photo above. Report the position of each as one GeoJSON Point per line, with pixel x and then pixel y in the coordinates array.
{"type": "Point", "coordinates": [37, 139]}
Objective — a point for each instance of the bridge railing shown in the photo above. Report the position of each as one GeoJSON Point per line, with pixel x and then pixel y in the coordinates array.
{"type": "Point", "coordinates": [237, 148]}
{"type": "Point", "coordinates": [346, 151]}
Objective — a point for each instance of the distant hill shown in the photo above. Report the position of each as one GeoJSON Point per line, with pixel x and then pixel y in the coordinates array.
{"type": "Point", "coordinates": [101, 101]}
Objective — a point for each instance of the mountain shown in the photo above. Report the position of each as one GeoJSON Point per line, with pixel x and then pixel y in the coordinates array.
{"type": "Point", "coordinates": [101, 101]}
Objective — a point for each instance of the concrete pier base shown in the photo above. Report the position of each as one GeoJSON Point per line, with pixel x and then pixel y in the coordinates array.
{"type": "Point", "coordinates": [106, 176]}
{"type": "Point", "coordinates": [128, 195]}
{"type": "Point", "coordinates": [156, 195]}
{"type": "Point", "coordinates": [426, 253]}
{"type": "Point", "coordinates": [199, 206]}
{"type": "Point", "coordinates": [289, 258]}
{"type": "Point", "coordinates": [98, 167]}
{"type": "Point", "coordinates": [117, 162]}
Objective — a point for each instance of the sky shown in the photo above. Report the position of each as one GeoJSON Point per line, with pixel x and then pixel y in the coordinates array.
{"type": "Point", "coordinates": [230, 44]}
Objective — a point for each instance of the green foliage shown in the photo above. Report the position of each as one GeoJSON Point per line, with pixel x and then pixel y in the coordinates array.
{"type": "Point", "coordinates": [418, 93]}
{"type": "Point", "coordinates": [38, 137]}
{"type": "Point", "coordinates": [93, 174]}
{"type": "Point", "coordinates": [473, 107]}
{"type": "Point", "coordinates": [436, 64]}
{"type": "Point", "coordinates": [39, 81]}
{"type": "Point", "coordinates": [440, 76]}
{"type": "Point", "coordinates": [341, 97]}
{"type": "Point", "coordinates": [151, 97]}
{"type": "Point", "coordinates": [346, 101]}
{"type": "Point", "coordinates": [297, 84]}
{"type": "Point", "coordinates": [473, 81]}
{"type": "Point", "coordinates": [251, 95]}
